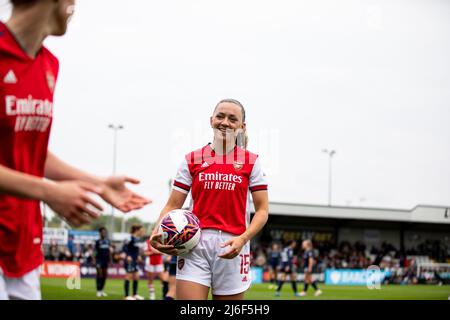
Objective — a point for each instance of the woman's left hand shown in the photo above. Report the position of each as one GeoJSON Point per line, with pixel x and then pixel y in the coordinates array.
{"type": "Point", "coordinates": [235, 244]}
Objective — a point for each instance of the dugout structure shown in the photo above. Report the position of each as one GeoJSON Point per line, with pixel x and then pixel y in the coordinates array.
{"type": "Point", "coordinates": [425, 227]}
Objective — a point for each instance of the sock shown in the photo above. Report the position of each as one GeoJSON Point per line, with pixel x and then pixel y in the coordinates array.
{"type": "Point", "coordinates": [165, 288]}
{"type": "Point", "coordinates": [294, 286]}
{"type": "Point", "coordinates": [280, 285]}
{"type": "Point", "coordinates": [305, 288]}
{"type": "Point", "coordinates": [314, 285]}
{"type": "Point", "coordinates": [150, 287]}
{"type": "Point", "coordinates": [127, 288]}
{"type": "Point", "coordinates": [167, 298]}
{"type": "Point", "coordinates": [135, 287]}
{"type": "Point", "coordinates": [98, 282]}
{"type": "Point", "coordinates": [101, 284]}
{"type": "Point", "coordinates": [104, 279]}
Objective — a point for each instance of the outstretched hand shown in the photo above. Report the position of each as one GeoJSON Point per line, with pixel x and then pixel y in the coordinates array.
{"type": "Point", "coordinates": [116, 193]}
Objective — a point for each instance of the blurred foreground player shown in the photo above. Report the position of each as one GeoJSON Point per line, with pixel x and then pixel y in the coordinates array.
{"type": "Point", "coordinates": [28, 73]}
{"type": "Point", "coordinates": [308, 267]}
{"type": "Point", "coordinates": [102, 259]}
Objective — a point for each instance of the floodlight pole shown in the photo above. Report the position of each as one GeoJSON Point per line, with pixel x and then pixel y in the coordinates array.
{"type": "Point", "coordinates": [115, 129]}
{"type": "Point", "coordinates": [330, 154]}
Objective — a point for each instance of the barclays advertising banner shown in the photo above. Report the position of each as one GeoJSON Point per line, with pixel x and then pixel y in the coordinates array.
{"type": "Point", "coordinates": [256, 274]}
{"type": "Point", "coordinates": [84, 236]}
{"type": "Point", "coordinates": [357, 277]}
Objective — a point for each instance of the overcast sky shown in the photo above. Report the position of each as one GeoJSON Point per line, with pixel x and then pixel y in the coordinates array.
{"type": "Point", "coordinates": [368, 78]}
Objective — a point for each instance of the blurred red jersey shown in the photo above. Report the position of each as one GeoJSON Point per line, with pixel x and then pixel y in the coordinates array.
{"type": "Point", "coordinates": [155, 258]}
{"type": "Point", "coordinates": [26, 108]}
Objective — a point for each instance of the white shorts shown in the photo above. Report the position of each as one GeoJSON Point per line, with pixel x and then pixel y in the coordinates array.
{"type": "Point", "coordinates": [203, 266]}
{"type": "Point", "coordinates": [155, 268]}
{"type": "Point", "coordinates": [27, 287]}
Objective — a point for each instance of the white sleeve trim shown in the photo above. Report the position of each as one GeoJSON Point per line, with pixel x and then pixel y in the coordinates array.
{"type": "Point", "coordinates": [180, 190]}
{"type": "Point", "coordinates": [257, 177]}
{"type": "Point", "coordinates": [183, 179]}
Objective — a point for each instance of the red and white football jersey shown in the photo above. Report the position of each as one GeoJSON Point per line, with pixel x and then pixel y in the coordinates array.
{"type": "Point", "coordinates": [156, 258]}
{"type": "Point", "coordinates": [26, 108]}
{"type": "Point", "coordinates": [220, 186]}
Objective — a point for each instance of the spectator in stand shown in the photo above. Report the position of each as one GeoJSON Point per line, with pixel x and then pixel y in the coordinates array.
{"type": "Point", "coordinates": [71, 245]}
{"type": "Point", "coordinates": [52, 252]}
{"type": "Point", "coordinates": [65, 255]}
{"type": "Point", "coordinates": [260, 259]}
{"type": "Point", "coordinates": [78, 253]}
{"type": "Point", "coordinates": [88, 255]}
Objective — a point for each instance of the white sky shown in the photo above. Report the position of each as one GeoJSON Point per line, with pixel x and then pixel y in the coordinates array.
{"type": "Point", "coordinates": [368, 78]}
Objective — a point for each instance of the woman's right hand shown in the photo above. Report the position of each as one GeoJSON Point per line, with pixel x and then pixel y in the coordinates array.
{"type": "Point", "coordinates": [156, 241]}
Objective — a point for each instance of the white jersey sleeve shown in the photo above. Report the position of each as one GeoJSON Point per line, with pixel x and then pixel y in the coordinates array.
{"type": "Point", "coordinates": [183, 180]}
{"type": "Point", "coordinates": [258, 179]}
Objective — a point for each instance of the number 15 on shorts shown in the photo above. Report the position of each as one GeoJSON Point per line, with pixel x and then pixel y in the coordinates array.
{"type": "Point", "coordinates": [245, 263]}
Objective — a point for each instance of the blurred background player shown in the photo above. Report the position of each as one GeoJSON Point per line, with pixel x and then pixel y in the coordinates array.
{"type": "Point", "coordinates": [28, 74]}
{"type": "Point", "coordinates": [308, 267]}
{"type": "Point", "coordinates": [172, 280]}
{"type": "Point", "coordinates": [221, 175]}
{"type": "Point", "coordinates": [165, 275]}
{"type": "Point", "coordinates": [154, 267]}
{"type": "Point", "coordinates": [103, 252]}
{"type": "Point", "coordinates": [288, 268]}
{"type": "Point", "coordinates": [274, 264]}
{"type": "Point", "coordinates": [131, 250]}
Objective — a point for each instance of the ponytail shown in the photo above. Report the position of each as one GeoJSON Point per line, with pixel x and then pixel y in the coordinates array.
{"type": "Point", "coordinates": [242, 139]}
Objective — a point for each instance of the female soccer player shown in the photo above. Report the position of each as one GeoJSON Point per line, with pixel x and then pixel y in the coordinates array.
{"type": "Point", "coordinates": [154, 267]}
{"type": "Point", "coordinates": [170, 277]}
{"type": "Point", "coordinates": [287, 268]}
{"type": "Point", "coordinates": [28, 72]}
{"type": "Point", "coordinates": [131, 250]}
{"type": "Point", "coordinates": [219, 176]}
{"type": "Point", "coordinates": [274, 263]}
{"type": "Point", "coordinates": [308, 267]}
{"type": "Point", "coordinates": [103, 252]}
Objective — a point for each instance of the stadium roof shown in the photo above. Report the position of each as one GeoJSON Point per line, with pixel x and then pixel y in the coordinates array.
{"type": "Point", "coordinates": [419, 214]}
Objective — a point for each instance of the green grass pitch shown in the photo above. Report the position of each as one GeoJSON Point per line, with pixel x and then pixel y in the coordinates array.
{"type": "Point", "coordinates": [56, 289]}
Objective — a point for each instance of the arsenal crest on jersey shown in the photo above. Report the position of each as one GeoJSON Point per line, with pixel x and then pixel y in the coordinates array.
{"type": "Point", "coordinates": [50, 80]}
{"type": "Point", "coordinates": [180, 263]}
{"type": "Point", "coordinates": [238, 165]}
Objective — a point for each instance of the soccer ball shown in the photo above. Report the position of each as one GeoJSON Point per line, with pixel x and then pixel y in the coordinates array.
{"type": "Point", "coordinates": [180, 228]}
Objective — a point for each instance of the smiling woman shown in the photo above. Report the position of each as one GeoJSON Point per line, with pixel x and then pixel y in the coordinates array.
{"type": "Point", "coordinates": [220, 176]}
